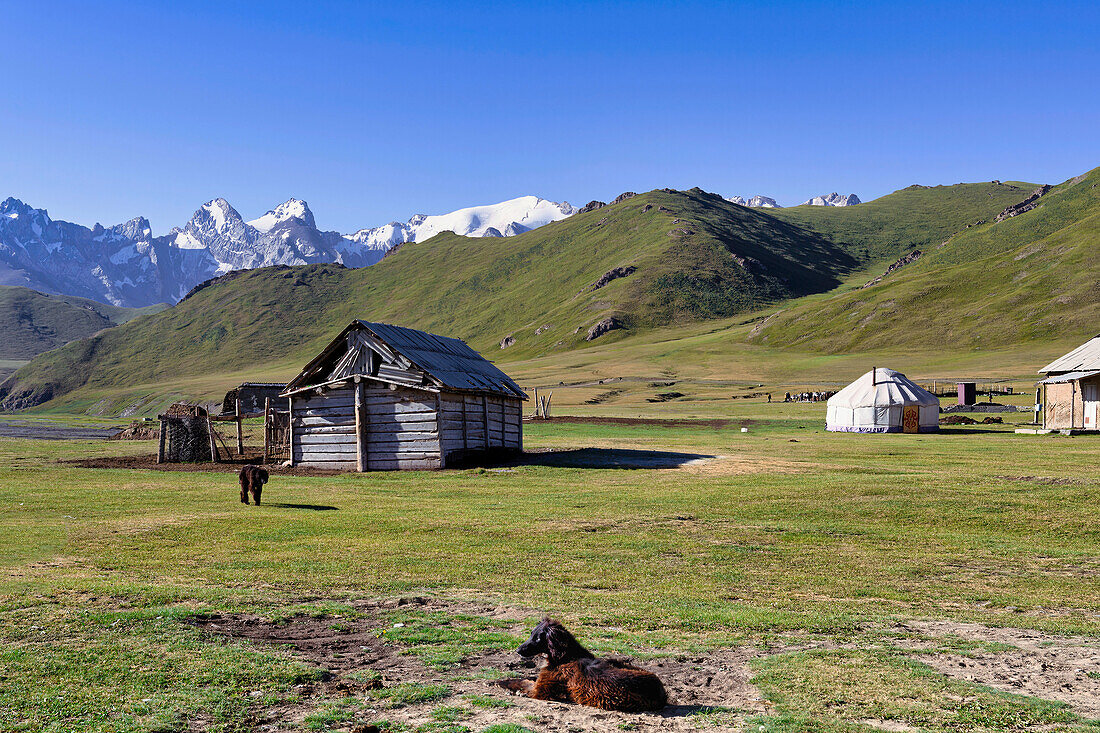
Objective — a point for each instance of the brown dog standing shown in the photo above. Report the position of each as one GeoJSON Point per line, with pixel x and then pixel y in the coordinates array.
{"type": "Point", "coordinates": [252, 479]}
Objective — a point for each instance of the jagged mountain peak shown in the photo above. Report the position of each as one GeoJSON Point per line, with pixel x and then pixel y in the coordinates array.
{"type": "Point", "coordinates": [833, 199]}
{"type": "Point", "coordinates": [756, 202]}
{"type": "Point", "coordinates": [289, 209]}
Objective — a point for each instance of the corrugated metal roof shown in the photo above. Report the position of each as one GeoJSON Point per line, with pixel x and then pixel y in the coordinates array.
{"type": "Point", "coordinates": [448, 360]}
{"type": "Point", "coordinates": [1083, 358]}
{"type": "Point", "coordinates": [1068, 377]}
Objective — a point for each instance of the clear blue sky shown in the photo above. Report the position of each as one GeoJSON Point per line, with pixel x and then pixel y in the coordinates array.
{"type": "Point", "coordinates": [376, 111]}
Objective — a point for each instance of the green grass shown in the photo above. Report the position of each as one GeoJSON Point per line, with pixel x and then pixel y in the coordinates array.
{"type": "Point", "coordinates": [826, 538]}
{"type": "Point", "coordinates": [827, 690]}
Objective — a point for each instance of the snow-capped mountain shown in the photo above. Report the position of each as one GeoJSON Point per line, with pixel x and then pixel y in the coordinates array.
{"type": "Point", "coordinates": [756, 202]}
{"type": "Point", "coordinates": [126, 265]}
{"type": "Point", "coordinates": [833, 199]}
{"type": "Point", "coordinates": [505, 219]}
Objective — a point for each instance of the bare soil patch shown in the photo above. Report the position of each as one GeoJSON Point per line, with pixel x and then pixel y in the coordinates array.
{"type": "Point", "coordinates": [357, 661]}
{"type": "Point", "coordinates": [1059, 668]}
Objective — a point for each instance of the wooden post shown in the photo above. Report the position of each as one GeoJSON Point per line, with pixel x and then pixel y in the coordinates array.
{"type": "Point", "coordinates": [210, 434]}
{"type": "Point", "coordinates": [439, 428]}
{"type": "Point", "coordinates": [465, 433]}
{"type": "Point", "coordinates": [240, 429]}
{"type": "Point", "coordinates": [361, 447]}
{"type": "Point", "coordinates": [290, 430]}
{"type": "Point", "coordinates": [267, 428]}
{"type": "Point", "coordinates": [163, 430]}
{"type": "Point", "coordinates": [485, 418]}
{"type": "Point", "coordinates": [536, 401]}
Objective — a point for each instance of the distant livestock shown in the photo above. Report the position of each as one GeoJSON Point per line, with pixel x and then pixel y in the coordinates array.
{"type": "Point", "coordinates": [574, 674]}
{"type": "Point", "coordinates": [252, 480]}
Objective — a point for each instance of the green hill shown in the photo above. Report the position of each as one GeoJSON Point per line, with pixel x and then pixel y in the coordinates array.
{"type": "Point", "coordinates": [912, 218]}
{"type": "Point", "coordinates": [679, 256]}
{"type": "Point", "coordinates": [34, 322]}
{"type": "Point", "coordinates": [1030, 278]}
{"type": "Point", "coordinates": [695, 256]}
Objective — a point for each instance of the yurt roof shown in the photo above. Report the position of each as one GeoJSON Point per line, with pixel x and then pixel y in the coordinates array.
{"type": "Point", "coordinates": [881, 387]}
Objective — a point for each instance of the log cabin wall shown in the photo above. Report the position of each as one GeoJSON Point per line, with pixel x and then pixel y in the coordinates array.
{"type": "Point", "coordinates": [323, 429]}
{"type": "Point", "coordinates": [474, 423]}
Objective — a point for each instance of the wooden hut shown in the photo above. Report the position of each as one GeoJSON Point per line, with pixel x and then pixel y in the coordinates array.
{"type": "Point", "coordinates": [253, 396]}
{"type": "Point", "coordinates": [1070, 391]}
{"type": "Point", "coordinates": [382, 397]}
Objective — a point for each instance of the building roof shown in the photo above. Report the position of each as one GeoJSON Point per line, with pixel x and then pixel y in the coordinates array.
{"type": "Point", "coordinates": [1085, 357]}
{"type": "Point", "coordinates": [1068, 377]}
{"type": "Point", "coordinates": [450, 362]}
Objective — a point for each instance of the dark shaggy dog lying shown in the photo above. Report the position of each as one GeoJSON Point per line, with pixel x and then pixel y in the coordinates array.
{"type": "Point", "coordinates": [573, 674]}
{"type": "Point", "coordinates": [253, 479]}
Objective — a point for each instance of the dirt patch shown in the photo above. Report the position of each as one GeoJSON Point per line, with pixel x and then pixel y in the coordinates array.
{"type": "Point", "coordinates": [149, 463]}
{"type": "Point", "coordinates": [647, 422]}
{"type": "Point", "coordinates": [1058, 668]}
{"type": "Point", "coordinates": [359, 663]}
{"type": "Point", "coordinates": [138, 430]}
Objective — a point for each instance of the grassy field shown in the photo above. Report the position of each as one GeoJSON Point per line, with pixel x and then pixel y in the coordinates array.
{"type": "Point", "coordinates": [825, 561]}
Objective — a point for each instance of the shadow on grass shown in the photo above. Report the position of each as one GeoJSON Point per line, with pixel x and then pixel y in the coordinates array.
{"type": "Point", "coordinates": [609, 458]}
{"type": "Point", "coordinates": [311, 507]}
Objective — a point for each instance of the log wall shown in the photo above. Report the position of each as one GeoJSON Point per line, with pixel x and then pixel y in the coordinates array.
{"type": "Point", "coordinates": [399, 428]}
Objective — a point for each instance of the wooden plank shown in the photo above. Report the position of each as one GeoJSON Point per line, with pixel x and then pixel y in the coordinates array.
{"type": "Point", "coordinates": [310, 457]}
{"type": "Point", "coordinates": [485, 418]}
{"type": "Point", "coordinates": [383, 418]}
{"type": "Point", "coordinates": [429, 464]}
{"type": "Point", "coordinates": [210, 435]}
{"type": "Point", "coordinates": [324, 422]}
{"type": "Point", "coordinates": [330, 465]}
{"type": "Point", "coordinates": [404, 456]}
{"type": "Point", "coordinates": [240, 427]}
{"type": "Point", "coordinates": [404, 446]}
{"type": "Point", "coordinates": [465, 430]}
{"type": "Point", "coordinates": [322, 440]}
{"type": "Point", "coordinates": [163, 435]}
{"type": "Point", "coordinates": [360, 428]}
{"type": "Point", "coordinates": [327, 430]}
{"type": "Point", "coordinates": [290, 428]}
{"type": "Point", "coordinates": [342, 397]}
{"type": "Point", "coordinates": [326, 448]}
{"type": "Point", "coordinates": [385, 437]}
{"type": "Point", "coordinates": [326, 410]}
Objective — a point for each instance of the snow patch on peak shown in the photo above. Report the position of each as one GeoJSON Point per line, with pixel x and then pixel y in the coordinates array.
{"type": "Point", "coordinates": [756, 202]}
{"type": "Point", "coordinates": [833, 199]}
{"type": "Point", "coordinates": [291, 209]}
{"type": "Point", "coordinates": [507, 218]}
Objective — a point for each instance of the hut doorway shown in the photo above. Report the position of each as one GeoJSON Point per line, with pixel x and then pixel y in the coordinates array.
{"type": "Point", "coordinates": [1090, 393]}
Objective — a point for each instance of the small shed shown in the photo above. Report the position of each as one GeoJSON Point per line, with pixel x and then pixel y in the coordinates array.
{"type": "Point", "coordinates": [883, 401]}
{"type": "Point", "coordinates": [253, 397]}
{"type": "Point", "coordinates": [383, 397]}
{"type": "Point", "coordinates": [1070, 391]}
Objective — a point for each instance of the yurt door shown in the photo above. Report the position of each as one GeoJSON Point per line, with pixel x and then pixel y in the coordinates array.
{"type": "Point", "coordinates": [1091, 395]}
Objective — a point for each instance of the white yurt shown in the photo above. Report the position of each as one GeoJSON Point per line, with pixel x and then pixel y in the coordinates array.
{"type": "Point", "coordinates": [883, 401]}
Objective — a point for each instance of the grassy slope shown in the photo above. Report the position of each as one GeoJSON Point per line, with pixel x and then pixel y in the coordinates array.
{"type": "Point", "coordinates": [266, 323]}
{"type": "Point", "coordinates": [912, 218]}
{"type": "Point", "coordinates": [477, 289]}
{"type": "Point", "coordinates": [1029, 279]}
{"type": "Point", "coordinates": [34, 322]}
